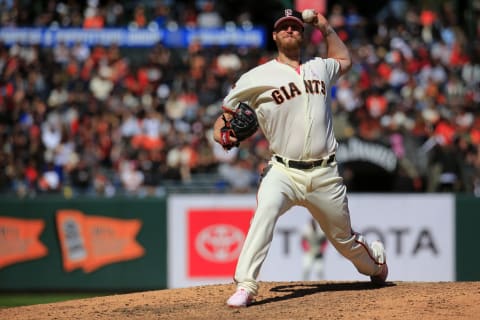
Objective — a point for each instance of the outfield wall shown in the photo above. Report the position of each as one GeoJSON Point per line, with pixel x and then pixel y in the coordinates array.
{"type": "Point", "coordinates": [126, 244]}
{"type": "Point", "coordinates": [82, 244]}
{"type": "Point", "coordinates": [466, 226]}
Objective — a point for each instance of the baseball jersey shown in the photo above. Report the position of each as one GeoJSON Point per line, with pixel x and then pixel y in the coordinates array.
{"type": "Point", "coordinates": [293, 108]}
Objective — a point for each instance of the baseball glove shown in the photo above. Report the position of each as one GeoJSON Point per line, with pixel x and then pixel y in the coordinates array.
{"type": "Point", "coordinates": [242, 125]}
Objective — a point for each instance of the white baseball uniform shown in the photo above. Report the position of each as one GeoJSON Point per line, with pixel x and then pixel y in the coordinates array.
{"type": "Point", "coordinates": [293, 109]}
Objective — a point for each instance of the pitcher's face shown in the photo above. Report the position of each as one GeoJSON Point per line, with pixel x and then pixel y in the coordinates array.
{"type": "Point", "coordinates": [288, 35]}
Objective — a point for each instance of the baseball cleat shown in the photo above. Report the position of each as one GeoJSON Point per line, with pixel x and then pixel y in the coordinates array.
{"type": "Point", "coordinates": [241, 298]}
{"type": "Point", "coordinates": [380, 257]}
{"type": "Point", "coordinates": [380, 278]}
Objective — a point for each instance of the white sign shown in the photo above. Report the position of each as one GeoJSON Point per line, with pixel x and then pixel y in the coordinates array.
{"type": "Point", "coordinates": [417, 230]}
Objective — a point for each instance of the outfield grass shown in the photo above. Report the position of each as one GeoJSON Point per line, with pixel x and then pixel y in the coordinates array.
{"type": "Point", "coordinates": [8, 300]}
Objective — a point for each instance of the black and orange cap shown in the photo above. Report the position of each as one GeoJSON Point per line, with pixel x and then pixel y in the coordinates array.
{"type": "Point", "coordinates": [289, 14]}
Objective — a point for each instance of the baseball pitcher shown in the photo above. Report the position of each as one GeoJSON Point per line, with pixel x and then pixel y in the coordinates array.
{"type": "Point", "coordinates": [291, 102]}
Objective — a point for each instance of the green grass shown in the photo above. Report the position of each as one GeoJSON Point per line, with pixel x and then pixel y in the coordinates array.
{"type": "Point", "coordinates": [8, 300]}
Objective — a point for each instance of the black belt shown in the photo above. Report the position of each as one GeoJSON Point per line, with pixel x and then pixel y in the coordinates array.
{"type": "Point", "coordinates": [306, 164]}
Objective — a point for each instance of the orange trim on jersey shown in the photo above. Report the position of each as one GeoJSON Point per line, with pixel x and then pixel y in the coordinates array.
{"type": "Point", "coordinates": [339, 66]}
{"type": "Point", "coordinates": [227, 110]}
{"type": "Point", "coordinates": [297, 69]}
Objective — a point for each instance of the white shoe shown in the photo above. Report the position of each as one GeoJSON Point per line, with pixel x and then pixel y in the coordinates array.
{"type": "Point", "coordinates": [380, 257]}
{"type": "Point", "coordinates": [241, 298]}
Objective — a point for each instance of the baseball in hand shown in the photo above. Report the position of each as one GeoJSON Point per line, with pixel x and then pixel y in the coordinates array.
{"type": "Point", "coordinates": [308, 15]}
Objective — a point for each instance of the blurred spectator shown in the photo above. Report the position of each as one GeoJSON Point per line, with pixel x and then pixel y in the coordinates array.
{"type": "Point", "coordinates": [239, 175]}
{"type": "Point", "coordinates": [139, 17]}
{"type": "Point", "coordinates": [81, 177]}
{"type": "Point", "coordinates": [376, 103]}
{"type": "Point", "coordinates": [61, 53]}
{"type": "Point", "coordinates": [114, 13]}
{"type": "Point", "coordinates": [93, 16]}
{"type": "Point", "coordinates": [50, 180]}
{"type": "Point", "coordinates": [101, 84]}
{"type": "Point", "coordinates": [162, 14]}
{"type": "Point", "coordinates": [445, 170]}
{"type": "Point", "coordinates": [208, 17]}
{"type": "Point", "coordinates": [51, 136]}
{"type": "Point", "coordinates": [80, 52]}
{"type": "Point", "coordinates": [102, 184]}
{"type": "Point", "coordinates": [31, 175]}
{"type": "Point", "coordinates": [131, 177]}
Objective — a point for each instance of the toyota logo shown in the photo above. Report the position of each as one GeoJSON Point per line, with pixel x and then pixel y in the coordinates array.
{"type": "Point", "coordinates": [220, 243]}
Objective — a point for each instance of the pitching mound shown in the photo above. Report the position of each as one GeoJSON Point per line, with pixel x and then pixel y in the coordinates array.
{"type": "Point", "coordinates": [276, 300]}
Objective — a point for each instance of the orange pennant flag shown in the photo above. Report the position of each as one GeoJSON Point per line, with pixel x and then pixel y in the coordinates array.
{"type": "Point", "coordinates": [91, 242]}
{"type": "Point", "coordinates": [19, 240]}
{"type": "Point", "coordinates": [71, 232]}
{"type": "Point", "coordinates": [111, 240]}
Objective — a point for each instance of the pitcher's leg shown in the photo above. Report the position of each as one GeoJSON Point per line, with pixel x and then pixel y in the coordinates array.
{"type": "Point", "coordinates": [273, 200]}
{"type": "Point", "coordinates": [330, 209]}
{"type": "Point", "coordinates": [360, 253]}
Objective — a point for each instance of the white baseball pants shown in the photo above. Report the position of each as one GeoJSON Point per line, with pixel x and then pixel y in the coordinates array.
{"type": "Point", "coordinates": [322, 192]}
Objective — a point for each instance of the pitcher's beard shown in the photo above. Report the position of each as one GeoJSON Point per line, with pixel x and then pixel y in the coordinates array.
{"type": "Point", "coordinates": [290, 50]}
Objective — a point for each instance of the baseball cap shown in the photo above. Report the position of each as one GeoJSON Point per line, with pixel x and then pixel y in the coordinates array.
{"type": "Point", "coordinates": [289, 14]}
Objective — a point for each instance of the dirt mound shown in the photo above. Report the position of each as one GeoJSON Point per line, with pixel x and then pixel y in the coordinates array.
{"type": "Point", "coordinates": [276, 300]}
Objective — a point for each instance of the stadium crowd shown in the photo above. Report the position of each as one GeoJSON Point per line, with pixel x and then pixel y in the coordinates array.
{"type": "Point", "coordinates": [87, 120]}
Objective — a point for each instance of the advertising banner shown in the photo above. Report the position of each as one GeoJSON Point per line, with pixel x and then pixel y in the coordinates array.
{"type": "Point", "coordinates": [214, 240]}
{"type": "Point", "coordinates": [205, 235]}
{"type": "Point", "coordinates": [418, 233]}
{"type": "Point", "coordinates": [372, 166]}
{"type": "Point", "coordinates": [124, 37]}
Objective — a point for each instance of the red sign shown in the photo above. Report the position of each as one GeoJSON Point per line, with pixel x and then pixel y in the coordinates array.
{"type": "Point", "coordinates": [317, 5]}
{"type": "Point", "coordinates": [19, 240]}
{"type": "Point", "coordinates": [215, 238]}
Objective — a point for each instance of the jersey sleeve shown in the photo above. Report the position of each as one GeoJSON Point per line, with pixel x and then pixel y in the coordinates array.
{"type": "Point", "coordinates": [332, 67]}
{"type": "Point", "coordinates": [244, 90]}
